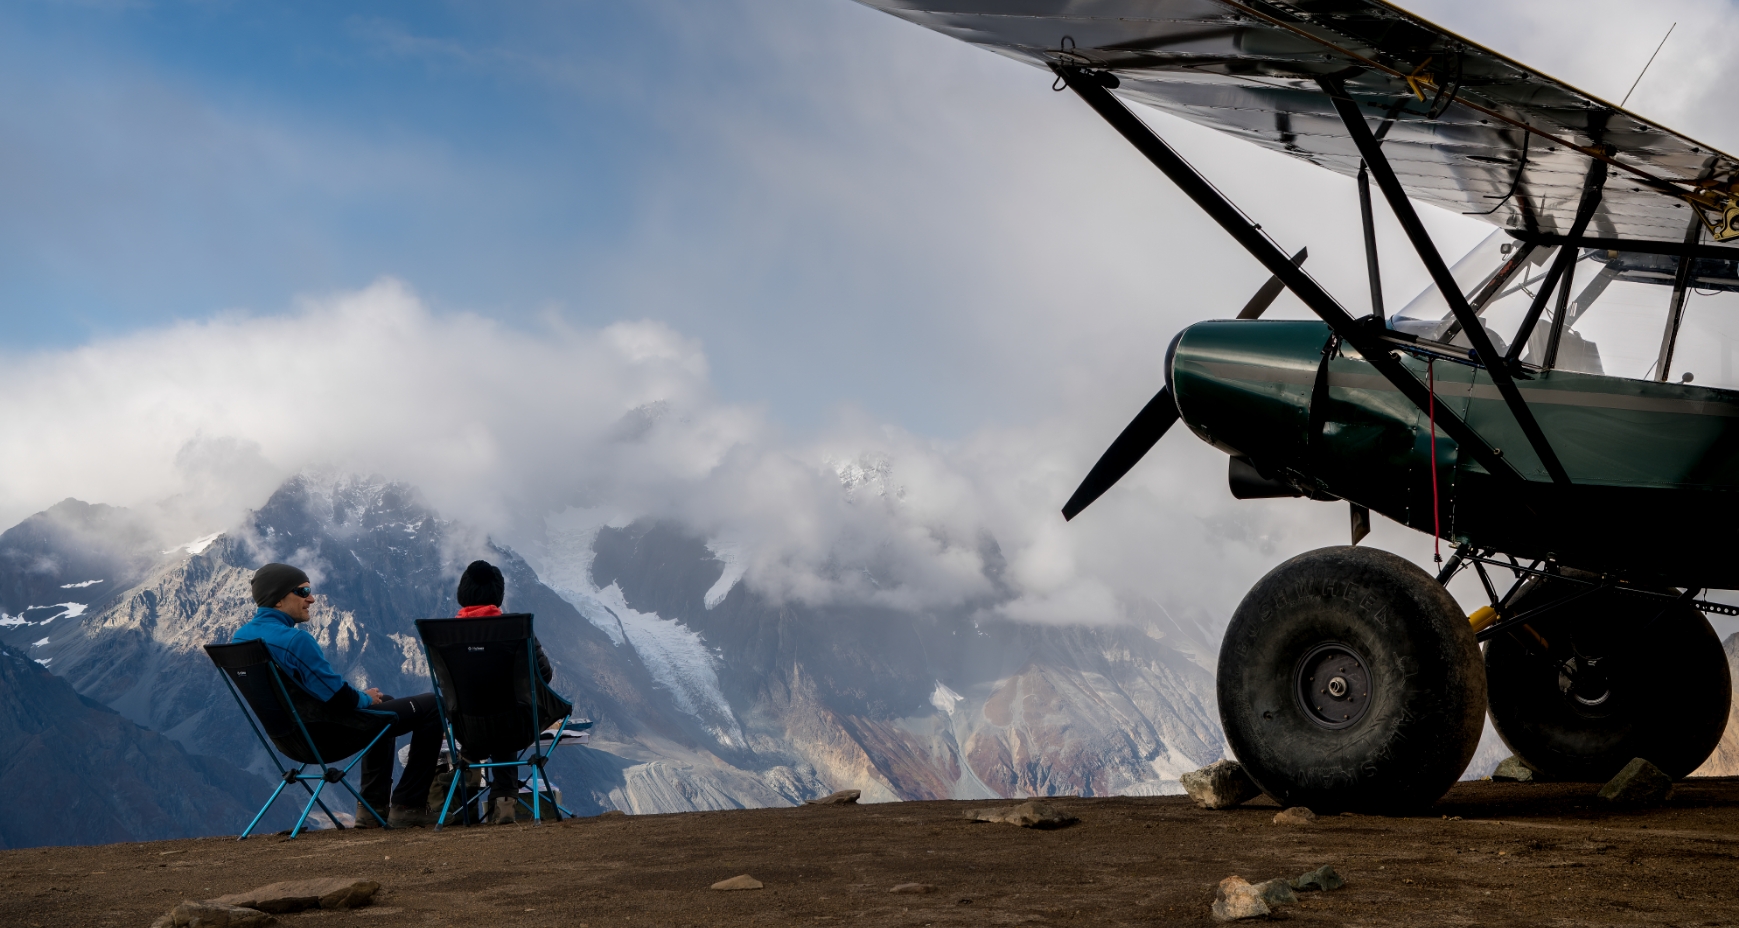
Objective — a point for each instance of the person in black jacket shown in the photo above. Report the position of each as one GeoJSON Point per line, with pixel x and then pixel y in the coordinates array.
{"type": "Point", "coordinates": [481, 591]}
{"type": "Point", "coordinates": [284, 596]}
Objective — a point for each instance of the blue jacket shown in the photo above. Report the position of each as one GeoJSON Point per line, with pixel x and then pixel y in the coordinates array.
{"type": "Point", "coordinates": [299, 656]}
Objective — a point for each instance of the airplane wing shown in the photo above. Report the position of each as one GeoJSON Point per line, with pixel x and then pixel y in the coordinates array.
{"type": "Point", "coordinates": [1465, 128]}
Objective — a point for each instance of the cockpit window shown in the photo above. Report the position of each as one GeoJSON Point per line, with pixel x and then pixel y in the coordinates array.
{"type": "Point", "coordinates": [1615, 314]}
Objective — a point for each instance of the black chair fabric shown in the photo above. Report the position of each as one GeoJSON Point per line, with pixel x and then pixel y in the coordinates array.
{"type": "Point", "coordinates": [336, 734]}
{"type": "Point", "coordinates": [485, 671]}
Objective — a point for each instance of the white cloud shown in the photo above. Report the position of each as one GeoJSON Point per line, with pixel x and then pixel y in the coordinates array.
{"type": "Point", "coordinates": [501, 427]}
{"type": "Point", "coordinates": [879, 214]}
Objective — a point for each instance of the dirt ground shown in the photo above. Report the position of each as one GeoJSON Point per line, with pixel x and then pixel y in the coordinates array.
{"type": "Point", "coordinates": [1488, 854]}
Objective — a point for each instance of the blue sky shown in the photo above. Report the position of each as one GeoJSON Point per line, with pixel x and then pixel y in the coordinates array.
{"type": "Point", "coordinates": [822, 248]}
{"type": "Point", "coordinates": [774, 178]}
{"type": "Point", "coordinates": [847, 211]}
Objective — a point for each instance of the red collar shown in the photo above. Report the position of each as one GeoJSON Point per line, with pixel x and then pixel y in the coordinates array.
{"type": "Point", "coordinates": [478, 612]}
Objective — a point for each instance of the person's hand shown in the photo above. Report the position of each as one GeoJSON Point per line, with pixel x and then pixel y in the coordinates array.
{"type": "Point", "coordinates": [375, 694]}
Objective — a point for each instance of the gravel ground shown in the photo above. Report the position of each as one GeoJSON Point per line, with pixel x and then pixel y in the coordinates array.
{"type": "Point", "coordinates": [1488, 854]}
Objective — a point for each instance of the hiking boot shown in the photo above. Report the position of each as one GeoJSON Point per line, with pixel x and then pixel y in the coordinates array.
{"type": "Point", "coordinates": [364, 819]}
{"type": "Point", "coordinates": [503, 810]}
{"type": "Point", "coordinates": [408, 817]}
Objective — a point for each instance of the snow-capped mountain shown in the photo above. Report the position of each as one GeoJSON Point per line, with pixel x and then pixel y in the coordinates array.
{"type": "Point", "coordinates": [706, 693]}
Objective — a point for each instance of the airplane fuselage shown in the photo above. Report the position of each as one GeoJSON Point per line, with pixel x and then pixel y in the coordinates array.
{"type": "Point", "coordinates": [1654, 467]}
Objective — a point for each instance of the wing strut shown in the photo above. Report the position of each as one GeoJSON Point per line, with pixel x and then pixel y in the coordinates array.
{"type": "Point", "coordinates": [1591, 189]}
{"type": "Point", "coordinates": [1371, 269]}
{"type": "Point", "coordinates": [1676, 314]}
{"type": "Point", "coordinates": [1090, 87]}
{"type": "Point", "coordinates": [1487, 354]}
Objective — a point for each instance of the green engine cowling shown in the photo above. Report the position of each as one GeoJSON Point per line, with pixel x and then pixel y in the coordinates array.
{"type": "Point", "coordinates": [1264, 392]}
{"type": "Point", "coordinates": [1654, 467]}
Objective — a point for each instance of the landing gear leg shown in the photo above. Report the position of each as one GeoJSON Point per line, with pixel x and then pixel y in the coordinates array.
{"type": "Point", "coordinates": [1350, 680]}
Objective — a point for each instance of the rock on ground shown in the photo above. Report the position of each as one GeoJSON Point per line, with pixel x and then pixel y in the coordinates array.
{"type": "Point", "coordinates": [296, 895]}
{"type": "Point", "coordinates": [1321, 879]}
{"type": "Point", "coordinates": [913, 888]}
{"type": "Point", "coordinates": [1276, 892]}
{"type": "Point", "coordinates": [1222, 784]}
{"type": "Point", "coordinates": [1640, 783]}
{"type": "Point", "coordinates": [1514, 769]}
{"type": "Point", "coordinates": [1297, 815]}
{"type": "Point", "coordinates": [1236, 899]}
{"type": "Point", "coordinates": [191, 914]}
{"type": "Point", "coordinates": [1026, 815]}
{"type": "Point", "coordinates": [845, 797]}
{"type": "Point", "coordinates": [740, 881]}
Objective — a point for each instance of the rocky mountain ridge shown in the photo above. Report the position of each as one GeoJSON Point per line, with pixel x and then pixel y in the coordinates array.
{"type": "Point", "coordinates": [706, 694]}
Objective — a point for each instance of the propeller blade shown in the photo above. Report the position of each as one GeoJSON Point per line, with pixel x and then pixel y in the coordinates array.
{"type": "Point", "coordinates": [1150, 425]}
{"type": "Point", "coordinates": [1259, 303]}
{"type": "Point", "coordinates": [1141, 434]}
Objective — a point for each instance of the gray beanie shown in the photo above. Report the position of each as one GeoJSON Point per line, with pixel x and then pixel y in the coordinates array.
{"type": "Point", "coordinates": [273, 582]}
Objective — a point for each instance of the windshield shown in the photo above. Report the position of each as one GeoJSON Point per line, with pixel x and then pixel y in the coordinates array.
{"type": "Point", "coordinates": [1615, 312]}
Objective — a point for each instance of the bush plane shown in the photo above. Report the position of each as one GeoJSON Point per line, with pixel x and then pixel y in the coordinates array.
{"type": "Point", "coordinates": [1561, 406]}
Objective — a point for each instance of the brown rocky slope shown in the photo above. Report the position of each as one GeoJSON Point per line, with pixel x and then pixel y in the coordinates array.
{"type": "Point", "coordinates": [1488, 854]}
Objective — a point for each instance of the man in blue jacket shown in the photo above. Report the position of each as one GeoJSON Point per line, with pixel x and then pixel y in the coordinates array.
{"type": "Point", "coordinates": [284, 596]}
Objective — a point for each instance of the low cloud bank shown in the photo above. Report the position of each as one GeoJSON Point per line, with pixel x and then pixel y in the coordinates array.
{"type": "Point", "coordinates": [514, 430]}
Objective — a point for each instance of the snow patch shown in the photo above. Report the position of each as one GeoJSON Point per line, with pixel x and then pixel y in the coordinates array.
{"type": "Point", "coordinates": [79, 586]}
{"type": "Point", "coordinates": [944, 698]}
{"type": "Point", "coordinates": [735, 565]}
{"type": "Point", "coordinates": [675, 655]}
{"type": "Point", "coordinates": [1171, 766]}
{"type": "Point", "coordinates": [67, 611]}
{"type": "Point", "coordinates": [38, 644]}
{"type": "Point", "coordinates": [44, 660]}
{"type": "Point", "coordinates": [197, 545]}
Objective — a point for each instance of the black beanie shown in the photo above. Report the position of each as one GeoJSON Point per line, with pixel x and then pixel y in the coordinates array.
{"type": "Point", "coordinates": [273, 582]}
{"type": "Point", "coordinates": [481, 585]}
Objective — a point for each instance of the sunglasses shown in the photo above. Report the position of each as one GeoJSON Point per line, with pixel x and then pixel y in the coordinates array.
{"type": "Point", "coordinates": [303, 591]}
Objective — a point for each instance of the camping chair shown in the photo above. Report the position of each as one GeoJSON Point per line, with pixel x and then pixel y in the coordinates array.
{"type": "Point", "coordinates": [303, 729]}
{"type": "Point", "coordinates": [492, 702]}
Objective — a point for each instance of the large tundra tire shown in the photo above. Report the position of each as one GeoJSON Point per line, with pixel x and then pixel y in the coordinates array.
{"type": "Point", "coordinates": [1606, 678]}
{"type": "Point", "coordinates": [1350, 680]}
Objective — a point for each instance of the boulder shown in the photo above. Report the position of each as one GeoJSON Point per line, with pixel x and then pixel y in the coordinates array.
{"type": "Point", "coordinates": [1321, 879]}
{"type": "Point", "coordinates": [191, 914]}
{"type": "Point", "coordinates": [296, 895]}
{"type": "Point", "coordinates": [845, 797]}
{"type": "Point", "coordinates": [1026, 815]}
{"type": "Point", "coordinates": [1236, 899]}
{"type": "Point", "coordinates": [1276, 892]}
{"type": "Point", "coordinates": [741, 881]}
{"type": "Point", "coordinates": [913, 888]}
{"type": "Point", "coordinates": [1514, 770]}
{"type": "Point", "coordinates": [1297, 815]}
{"type": "Point", "coordinates": [1640, 783]}
{"type": "Point", "coordinates": [1222, 784]}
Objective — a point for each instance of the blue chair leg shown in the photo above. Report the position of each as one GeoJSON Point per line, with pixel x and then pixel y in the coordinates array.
{"type": "Point", "coordinates": [308, 808]}
{"type": "Point", "coordinates": [458, 775]}
{"type": "Point", "coordinates": [274, 798]}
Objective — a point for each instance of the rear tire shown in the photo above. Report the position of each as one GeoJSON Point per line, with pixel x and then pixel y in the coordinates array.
{"type": "Point", "coordinates": [1659, 690]}
{"type": "Point", "coordinates": [1350, 680]}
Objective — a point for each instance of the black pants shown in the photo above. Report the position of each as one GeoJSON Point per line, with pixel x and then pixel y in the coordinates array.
{"type": "Point", "coordinates": [504, 781]}
{"type": "Point", "coordinates": [417, 718]}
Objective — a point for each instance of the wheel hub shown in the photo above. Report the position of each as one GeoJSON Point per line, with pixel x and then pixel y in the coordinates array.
{"type": "Point", "coordinates": [1583, 679]}
{"type": "Point", "coordinates": [1332, 685]}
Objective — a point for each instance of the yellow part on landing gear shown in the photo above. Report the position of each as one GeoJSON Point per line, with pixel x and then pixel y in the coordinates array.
{"type": "Point", "coordinates": [1482, 618]}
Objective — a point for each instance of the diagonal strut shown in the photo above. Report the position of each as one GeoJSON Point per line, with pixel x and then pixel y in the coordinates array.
{"type": "Point", "coordinates": [1403, 208]}
{"type": "Point", "coordinates": [1088, 86]}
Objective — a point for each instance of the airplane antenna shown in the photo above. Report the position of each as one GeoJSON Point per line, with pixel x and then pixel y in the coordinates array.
{"type": "Point", "coordinates": [1657, 51]}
